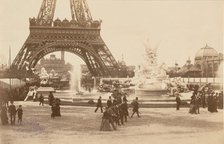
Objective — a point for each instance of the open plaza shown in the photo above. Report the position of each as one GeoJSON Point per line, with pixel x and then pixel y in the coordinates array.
{"type": "Point", "coordinates": [145, 72]}
{"type": "Point", "coordinates": [81, 125]}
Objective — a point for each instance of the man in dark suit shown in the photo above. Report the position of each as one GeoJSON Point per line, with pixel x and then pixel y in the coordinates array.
{"type": "Point", "coordinates": [124, 112]}
{"type": "Point", "coordinates": [12, 113]}
{"type": "Point", "coordinates": [99, 105]}
{"type": "Point", "coordinates": [135, 105]}
{"type": "Point", "coordinates": [178, 101]}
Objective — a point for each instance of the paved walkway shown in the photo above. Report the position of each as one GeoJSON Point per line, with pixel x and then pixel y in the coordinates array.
{"type": "Point", "coordinates": [164, 101]}
{"type": "Point", "coordinates": [81, 125]}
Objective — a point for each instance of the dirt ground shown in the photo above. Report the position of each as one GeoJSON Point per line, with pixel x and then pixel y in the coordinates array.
{"type": "Point", "coordinates": [81, 125]}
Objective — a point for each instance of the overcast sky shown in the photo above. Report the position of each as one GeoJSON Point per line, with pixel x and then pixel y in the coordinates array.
{"type": "Point", "coordinates": [179, 28]}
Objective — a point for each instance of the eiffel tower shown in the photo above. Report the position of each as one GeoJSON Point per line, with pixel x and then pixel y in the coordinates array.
{"type": "Point", "coordinates": [80, 36]}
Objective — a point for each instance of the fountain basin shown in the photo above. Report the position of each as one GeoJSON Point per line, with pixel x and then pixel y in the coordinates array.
{"type": "Point", "coordinates": [150, 92]}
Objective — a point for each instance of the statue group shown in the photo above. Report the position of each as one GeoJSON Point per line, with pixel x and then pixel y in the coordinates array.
{"type": "Point", "coordinates": [149, 75]}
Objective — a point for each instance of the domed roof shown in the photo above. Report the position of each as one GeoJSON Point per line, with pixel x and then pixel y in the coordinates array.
{"type": "Point", "coordinates": [206, 51]}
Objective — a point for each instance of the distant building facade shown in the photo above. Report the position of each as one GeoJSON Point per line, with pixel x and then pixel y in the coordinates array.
{"type": "Point", "coordinates": [208, 60]}
{"type": "Point", "coordinates": [54, 64]}
{"type": "Point", "coordinates": [123, 72]}
{"type": "Point", "coordinates": [207, 63]}
{"type": "Point", "coordinates": [189, 70]}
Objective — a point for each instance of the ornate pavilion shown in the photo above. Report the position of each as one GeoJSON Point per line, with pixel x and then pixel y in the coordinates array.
{"type": "Point", "coordinates": [208, 61]}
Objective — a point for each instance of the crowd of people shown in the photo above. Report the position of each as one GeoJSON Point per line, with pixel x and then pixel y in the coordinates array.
{"type": "Point", "coordinates": [116, 111]}
{"type": "Point", "coordinates": [11, 111]}
{"type": "Point", "coordinates": [204, 96]}
{"type": "Point", "coordinates": [8, 111]}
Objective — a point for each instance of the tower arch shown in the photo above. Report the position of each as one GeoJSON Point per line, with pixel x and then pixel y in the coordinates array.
{"type": "Point", "coordinates": [80, 35]}
{"type": "Point", "coordinates": [85, 52]}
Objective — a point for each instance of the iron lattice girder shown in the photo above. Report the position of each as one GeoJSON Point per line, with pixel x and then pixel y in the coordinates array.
{"type": "Point", "coordinates": [84, 42]}
{"type": "Point", "coordinates": [79, 11]}
{"type": "Point", "coordinates": [80, 36]}
{"type": "Point", "coordinates": [87, 35]}
{"type": "Point", "coordinates": [46, 13]}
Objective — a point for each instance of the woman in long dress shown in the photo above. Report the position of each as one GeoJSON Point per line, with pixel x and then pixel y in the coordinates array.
{"type": "Point", "coordinates": [192, 109]}
{"type": "Point", "coordinates": [4, 117]}
{"type": "Point", "coordinates": [105, 124]}
{"type": "Point", "coordinates": [107, 120]}
{"type": "Point", "coordinates": [210, 103]}
{"type": "Point", "coordinates": [57, 107]}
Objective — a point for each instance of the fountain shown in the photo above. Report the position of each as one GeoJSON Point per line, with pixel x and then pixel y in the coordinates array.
{"type": "Point", "coordinates": [149, 77]}
{"type": "Point", "coordinates": [74, 90]}
{"type": "Point", "coordinates": [75, 81]}
{"type": "Point", "coordinates": [44, 76]}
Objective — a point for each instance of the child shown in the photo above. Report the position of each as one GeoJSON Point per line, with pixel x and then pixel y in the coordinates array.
{"type": "Point", "coordinates": [20, 114]}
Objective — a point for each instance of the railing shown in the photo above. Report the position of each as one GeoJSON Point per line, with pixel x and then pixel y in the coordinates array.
{"type": "Point", "coordinates": [67, 23]}
{"type": "Point", "coordinates": [212, 80]}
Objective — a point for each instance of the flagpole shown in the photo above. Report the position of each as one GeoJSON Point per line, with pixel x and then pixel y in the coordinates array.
{"type": "Point", "coordinates": [9, 56]}
{"type": "Point", "coordinates": [10, 80]}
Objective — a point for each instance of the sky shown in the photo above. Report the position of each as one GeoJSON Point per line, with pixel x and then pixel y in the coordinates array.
{"type": "Point", "coordinates": [178, 28]}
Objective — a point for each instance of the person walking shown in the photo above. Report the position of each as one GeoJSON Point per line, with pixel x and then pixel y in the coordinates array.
{"type": "Point", "coordinates": [41, 99]}
{"type": "Point", "coordinates": [124, 112]}
{"type": "Point", "coordinates": [57, 107]}
{"type": "Point", "coordinates": [107, 120]}
{"type": "Point", "coordinates": [12, 113]}
{"type": "Point", "coordinates": [115, 101]}
{"type": "Point", "coordinates": [220, 100]}
{"type": "Point", "coordinates": [109, 102]}
{"type": "Point", "coordinates": [20, 114]}
{"type": "Point", "coordinates": [105, 123]}
{"type": "Point", "coordinates": [119, 99]}
{"type": "Point", "coordinates": [50, 98]}
{"type": "Point", "coordinates": [210, 102]}
{"type": "Point", "coordinates": [215, 102]}
{"type": "Point", "coordinates": [178, 101]}
{"type": "Point", "coordinates": [192, 109]}
{"type": "Point", "coordinates": [125, 98]}
{"type": "Point", "coordinates": [135, 105]}
{"type": "Point", "coordinates": [99, 105]}
{"type": "Point", "coordinates": [203, 99]}
{"type": "Point", "coordinates": [197, 103]}
{"type": "Point", "coordinates": [4, 117]}
{"type": "Point", "coordinates": [53, 109]}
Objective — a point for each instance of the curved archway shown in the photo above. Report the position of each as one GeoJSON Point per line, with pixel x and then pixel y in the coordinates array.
{"type": "Point", "coordinates": [84, 51]}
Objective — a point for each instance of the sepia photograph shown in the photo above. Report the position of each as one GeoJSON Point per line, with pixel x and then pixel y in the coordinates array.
{"type": "Point", "coordinates": [111, 71]}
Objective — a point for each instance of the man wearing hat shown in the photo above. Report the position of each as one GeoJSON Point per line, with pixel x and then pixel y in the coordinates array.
{"type": "Point", "coordinates": [178, 100]}
{"type": "Point", "coordinates": [124, 111]}
{"type": "Point", "coordinates": [135, 105]}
